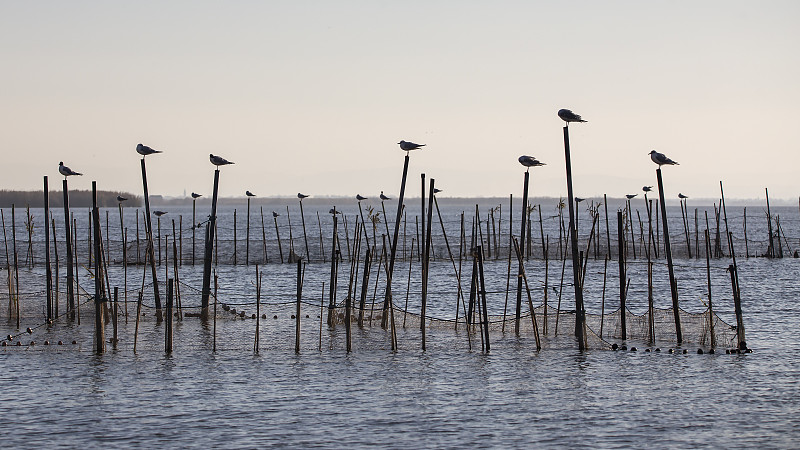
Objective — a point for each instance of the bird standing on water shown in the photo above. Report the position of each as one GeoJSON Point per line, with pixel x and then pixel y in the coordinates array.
{"type": "Point", "coordinates": [661, 159]}
{"type": "Point", "coordinates": [407, 146]}
{"type": "Point", "coordinates": [218, 160]}
{"type": "Point", "coordinates": [145, 150]}
{"type": "Point", "coordinates": [569, 116]}
{"type": "Point", "coordinates": [66, 171]}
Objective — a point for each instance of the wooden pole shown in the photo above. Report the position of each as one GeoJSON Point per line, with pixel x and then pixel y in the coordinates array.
{"type": "Point", "coordinates": [771, 251]}
{"type": "Point", "coordinates": [168, 321]}
{"type": "Point", "coordinates": [216, 300]}
{"type": "Point", "coordinates": [708, 281]}
{"type": "Point", "coordinates": [622, 276]}
{"type": "Point", "coordinates": [426, 263]}
{"type": "Point", "coordinates": [520, 267]}
{"type": "Point", "coordinates": [68, 246]}
{"type": "Point", "coordinates": [305, 235]}
{"type": "Point", "coordinates": [299, 298]}
{"type": "Point", "coordinates": [388, 302]}
{"type": "Point", "coordinates": [136, 327]}
{"type": "Point", "coordinates": [149, 235]}
{"type": "Point", "coordinates": [673, 285]}
{"type": "Point", "coordinates": [48, 270]}
{"type": "Point", "coordinates": [482, 296]}
{"type": "Point", "coordinates": [334, 261]}
{"type": "Point", "coordinates": [744, 224]}
{"type": "Point", "coordinates": [55, 259]}
{"type": "Point", "coordinates": [247, 236]}
{"type": "Point", "coordinates": [576, 266]}
{"type": "Point", "coordinates": [210, 232]}
{"type": "Point", "coordinates": [530, 301]}
{"type": "Point", "coordinates": [98, 288]}
{"type": "Point", "coordinates": [278, 236]}
{"type": "Point", "coordinates": [194, 227]}
{"type": "Point", "coordinates": [263, 236]}
{"type": "Point", "coordinates": [258, 310]}
{"type": "Point", "coordinates": [234, 236]}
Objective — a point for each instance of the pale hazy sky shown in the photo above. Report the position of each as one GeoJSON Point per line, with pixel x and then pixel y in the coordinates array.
{"type": "Point", "coordinates": [314, 96]}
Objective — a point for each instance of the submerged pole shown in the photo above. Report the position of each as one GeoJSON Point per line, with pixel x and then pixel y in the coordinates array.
{"type": "Point", "coordinates": [522, 252]}
{"type": "Point", "coordinates": [576, 266]}
{"type": "Point", "coordinates": [673, 285]}
{"type": "Point", "coordinates": [209, 251]}
{"type": "Point", "coordinates": [622, 276]}
{"type": "Point", "coordinates": [68, 245]}
{"type": "Point", "coordinates": [48, 271]}
{"type": "Point", "coordinates": [98, 286]}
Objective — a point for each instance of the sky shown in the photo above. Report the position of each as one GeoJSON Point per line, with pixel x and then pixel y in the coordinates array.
{"type": "Point", "coordinates": [314, 96]}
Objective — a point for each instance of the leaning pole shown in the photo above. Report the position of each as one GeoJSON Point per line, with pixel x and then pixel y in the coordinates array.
{"type": "Point", "coordinates": [576, 266]}
{"type": "Point", "coordinates": [209, 251]}
{"type": "Point", "coordinates": [149, 234]}
{"type": "Point", "coordinates": [673, 286]}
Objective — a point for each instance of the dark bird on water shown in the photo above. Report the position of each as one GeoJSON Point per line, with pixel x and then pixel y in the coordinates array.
{"type": "Point", "coordinates": [274, 214]}
{"type": "Point", "coordinates": [630, 196]}
{"type": "Point", "coordinates": [383, 197]}
{"type": "Point", "coordinates": [66, 171]}
{"type": "Point", "coordinates": [301, 196]}
{"type": "Point", "coordinates": [647, 188]}
{"type": "Point", "coordinates": [569, 116]}
{"type": "Point", "coordinates": [195, 195]}
{"type": "Point", "coordinates": [681, 196]}
{"type": "Point", "coordinates": [249, 194]}
{"type": "Point", "coordinates": [218, 160]}
{"type": "Point", "coordinates": [405, 145]}
{"type": "Point", "coordinates": [661, 159]}
{"type": "Point", "coordinates": [145, 150]}
{"type": "Point", "coordinates": [159, 213]}
{"type": "Point", "coordinates": [359, 197]}
{"type": "Point", "coordinates": [529, 161]}
{"type": "Point", "coordinates": [121, 198]}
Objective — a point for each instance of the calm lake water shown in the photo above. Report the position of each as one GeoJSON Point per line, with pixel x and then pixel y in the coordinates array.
{"type": "Point", "coordinates": [445, 397]}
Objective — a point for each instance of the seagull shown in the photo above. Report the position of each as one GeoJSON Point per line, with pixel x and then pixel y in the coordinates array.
{"type": "Point", "coordinates": [301, 196]}
{"type": "Point", "coordinates": [359, 197]}
{"type": "Point", "coordinates": [437, 190]}
{"type": "Point", "coordinates": [383, 197]}
{"type": "Point", "coordinates": [334, 211]}
{"type": "Point", "coordinates": [274, 214]}
{"type": "Point", "coordinates": [159, 213]}
{"type": "Point", "coordinates": [682, 196]}
{"type": "Point", "coordinates": [66, 171]}
{"type": "Point", "coordinates": [249, 194]}
{"type": "Point", "coordinates": [647, 188]}
{"type": "Point", "coordinates": [630, 196]}
{"type": "Point", "coordinates": [121, 198]}
{"type": "Point", "coordinates": [569, 116]}
{"type": "Point", "coordinates": [578, 199]}
{"type": "Point", "coordinates": [530, 161]}
{"type": "Point", "coordinates": [218, 160]}
{"type": "Point", "coordinates": [405, 145]}
{"type": "Point", "coordinates": [145, 150]}
{"type": "Point", "coordinates": [661, 159]}
{"type": "Point", "coordinates": [194, 195]}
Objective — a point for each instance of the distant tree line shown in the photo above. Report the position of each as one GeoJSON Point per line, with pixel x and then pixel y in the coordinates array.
{"type": "Point", "coordinates": [77, 198]}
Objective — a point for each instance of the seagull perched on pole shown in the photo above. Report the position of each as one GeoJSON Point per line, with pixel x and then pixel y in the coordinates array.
{"type": "Point", "coordinates": [405, 145]}
{"type": "Point", "coordinates": [121, 198]}
{"type": "Point", "coordinates": [359, 197]}
{"type": "Point", "coordinates": [249, 194]}
{"type": "Point", "coordinates": [529, 161]}
{"type": "Point", "coordinates": [569, 116]}
{"type": "Point", "coordinates": [383, 197]}
{"type": "Point", "coordinates": [194, 195]}
{"type": "Point", "coordinates": [145, 150]}
{"type": "Point", "coordinates": [301, 196]}
{"type": "Point", "coordinates": [578, 199]}
{"type": "Point", "coordinates": [437, 190]}
{"type": "Point", "coordinates": [630, 196]}
{"type": "Point", "coordinates": [681, 196]}
{"type": "Point", "coordinates": [218, 160]}
{"type": "Point", "coordinates": [66, 171]}
{"type": "Point", "coordinates": [647, 188]}
{"type": "Point", "coordinates": [334, 211]}
{"type": "Point", "coordinates": [159, 213]}
{"type": "Point", "coordinates": [661, 159]}
{"type": "Point", "coordinates": [274, 214]}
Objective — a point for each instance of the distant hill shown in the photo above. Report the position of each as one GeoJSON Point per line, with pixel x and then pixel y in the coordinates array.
{"type": "Point", "coordinates": [77, 198]}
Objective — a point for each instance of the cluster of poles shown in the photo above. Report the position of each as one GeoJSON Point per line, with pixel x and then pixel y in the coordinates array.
{"type": "Point", "coordinates": [476, 305]}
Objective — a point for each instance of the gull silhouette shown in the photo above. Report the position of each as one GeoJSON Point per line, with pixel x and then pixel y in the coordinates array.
{"type": "Point", "coordinates": [249, 194]}
{"type": "Point", "coordinates": [66, 171]}
{"type": "Point", "coordinates": [121, 198]}
{"type": "Point", "coordinates": [406, 145]}
{"type": "Point", "coordinates": [218, 160]}
{"type": "Point", "coordinates": [569, 116]}
{"type": "Point", "coordinates": [194, 195]}
{"type": "Point", "coordinates": [661, 159]}
{"type": "Point", "coordinates": [145, 150]}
